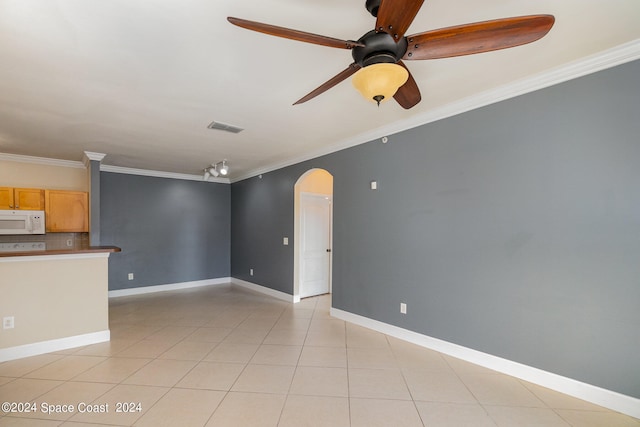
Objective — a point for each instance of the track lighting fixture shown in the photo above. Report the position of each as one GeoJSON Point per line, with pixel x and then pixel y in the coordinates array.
{"type": "Point", "coordinates": [214, 171]}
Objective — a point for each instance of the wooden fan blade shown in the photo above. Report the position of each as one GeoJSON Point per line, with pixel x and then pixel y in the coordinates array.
{"type": "Point", "coordinates": [408, 95]}
{"type": "Point", "coordinates": [395, 16]}
{"type": "Point", "coordinates": [288, 33]}
{"type": "Point", "coordinates": [343, 75]}
{"type": "Point", "coordinates": [478, 37]}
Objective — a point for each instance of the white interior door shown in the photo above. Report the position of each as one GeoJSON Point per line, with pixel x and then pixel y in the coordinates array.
{"type": "Point", "coordinates": [315, 244]}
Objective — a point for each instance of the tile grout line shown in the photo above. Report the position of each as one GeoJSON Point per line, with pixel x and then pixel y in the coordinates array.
{"type": "Point", "coordinates": [286, 397]}
{"type": "Point", "coordinates": [404, 377]}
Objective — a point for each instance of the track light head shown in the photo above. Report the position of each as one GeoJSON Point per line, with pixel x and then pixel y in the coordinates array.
{"type": "Point", "coordinates": [224, 169]}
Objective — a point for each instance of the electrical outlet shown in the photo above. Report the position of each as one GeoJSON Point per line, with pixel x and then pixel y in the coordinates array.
{"type": "Point", "coordinates": [403, 308]}
{"type": "Point", "coordinates": [285, 240]}
{"type": "Point", "coordinates": [130, 276]}
{"type": "Point", "coordinates": [8, 322]}
{"type": "Point", "coordinates": [69, 242]}
{"type": "Point", "coordinates": [251, 271]}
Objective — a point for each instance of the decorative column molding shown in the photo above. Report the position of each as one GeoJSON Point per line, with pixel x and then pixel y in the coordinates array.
{"type": "Point", "coordinates": [91, 156]}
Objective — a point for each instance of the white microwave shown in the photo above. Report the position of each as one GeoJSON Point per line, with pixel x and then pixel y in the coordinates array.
{"type": "Point", "coordinates": [21, 222]}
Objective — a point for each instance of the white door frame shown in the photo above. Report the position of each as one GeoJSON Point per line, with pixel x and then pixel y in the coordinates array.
{"type": "Point", "coordinates": [296, 238]}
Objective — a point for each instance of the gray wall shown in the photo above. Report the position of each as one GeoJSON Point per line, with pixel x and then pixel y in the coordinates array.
{"type": "Point", "coordinates": [170, 231]}
{"type": "Point", "coordinates": [262, 214]}
{"type": "Point", "coordinates": [513, 229]}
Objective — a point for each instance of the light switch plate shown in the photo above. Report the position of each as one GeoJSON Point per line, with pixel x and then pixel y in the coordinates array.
{"type": "Point", "coordinates": [8, 322]}
{"type": "Point", "coordinates": [285, 240]}
{"type": "Point", "coordinates": [374, 185]}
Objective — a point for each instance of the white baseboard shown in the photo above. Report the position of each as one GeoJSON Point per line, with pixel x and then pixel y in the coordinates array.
{"type": "Point", "coordinates": [42, 347]}
{"type": "Point", "coordinates": [264, 290]}
{"type": "Point", "coordinates": [609, 399]}
{"type": "Point", "coordinates": [168, 287]}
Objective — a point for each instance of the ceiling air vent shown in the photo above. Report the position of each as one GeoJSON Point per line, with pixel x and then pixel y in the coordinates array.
{"type": "Point", "coordinates": [225, 127]}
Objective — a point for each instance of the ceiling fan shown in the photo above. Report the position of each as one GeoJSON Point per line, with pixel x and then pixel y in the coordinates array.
{"type": "Point", "coordinates": [379, 55]}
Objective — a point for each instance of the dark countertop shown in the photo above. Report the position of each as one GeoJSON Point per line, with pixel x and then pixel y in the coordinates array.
{"type": "Point", "coordinates": [82, 250]}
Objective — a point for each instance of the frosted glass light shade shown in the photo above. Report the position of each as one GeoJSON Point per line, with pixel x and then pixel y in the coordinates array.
{"type": "Point", "coordinates": [379, 82]}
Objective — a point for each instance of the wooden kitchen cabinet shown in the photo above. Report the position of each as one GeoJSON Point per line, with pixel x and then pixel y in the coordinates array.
{"type": "Point", "coordinates": [6, 198]}
{"type": "Point", "coordinates": [31, 199]}
{"type": "Point", "coordinates": [66, 211]}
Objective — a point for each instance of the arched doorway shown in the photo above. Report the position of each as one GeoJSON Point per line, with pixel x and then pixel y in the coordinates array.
{"type": "Point", "coordinates": [313, 217]}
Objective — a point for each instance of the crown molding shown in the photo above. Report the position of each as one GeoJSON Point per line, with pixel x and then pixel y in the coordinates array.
{"type": "Point", "coordinates": [90, 156]}
{"type": "Point", "coordinates": [41, 161]}
{"type": "Point", "coordinates": [618, 55]}
{"type": "Point", "coordinates": [160, 174]}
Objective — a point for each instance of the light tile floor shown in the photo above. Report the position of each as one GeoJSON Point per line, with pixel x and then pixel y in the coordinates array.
{"type": "Point", "coordinates": [227, 357]}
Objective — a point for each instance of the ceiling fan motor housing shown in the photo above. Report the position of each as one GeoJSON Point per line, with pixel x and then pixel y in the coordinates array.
{"type": "Point", "coordinates": [380, 47]}
{"type": "Point", "coordinates": [373, 6]}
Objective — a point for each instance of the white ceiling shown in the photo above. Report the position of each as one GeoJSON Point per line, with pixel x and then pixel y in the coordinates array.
{"type": "Point", "coordinates": [141, 80]}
